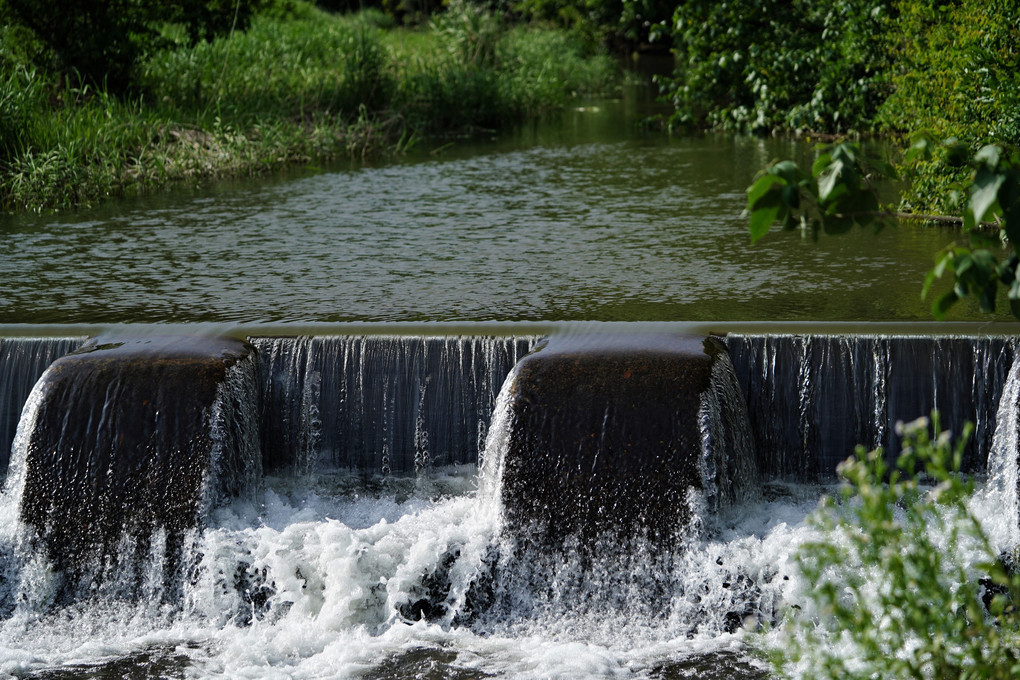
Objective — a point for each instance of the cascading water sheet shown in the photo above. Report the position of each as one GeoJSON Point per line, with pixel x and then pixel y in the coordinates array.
{"type": "Point", "coordinates": [813, 398]}
{"type": "Point", "coordinates": [380, 404]}
{"type": "Point", "coordinates": [22, 361]}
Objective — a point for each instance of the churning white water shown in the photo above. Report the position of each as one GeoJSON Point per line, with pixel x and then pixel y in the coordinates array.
{"type": "Point", "coordinates": [316, 582]}
{"type": "Point", "coordinates": [312, 584]}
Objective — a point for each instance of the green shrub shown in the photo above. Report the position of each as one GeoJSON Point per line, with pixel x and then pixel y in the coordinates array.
{"type": "Point", "coordinates": [758, 65]}
{"type": "Point", "coordinates": [530, 71]}
{"type": "Point", "coordinates": [103, 41]}
{"type": "Point", "coordinates": [544, 69]}
{"type": "Point", "coordinates": [447, 96]}
{"type": "Point", "coordinates": [21, 99]}
{"type": "Point", "coordinates": [957, 74]}
{"type": "Point", "coordinates": [601, 25]}
{"type": "Point", "coordinates": [286, 90]}
{"type": "Point", "coordinates": [469, 32]}
{"type": "Point", "coordinates": [901, 574]}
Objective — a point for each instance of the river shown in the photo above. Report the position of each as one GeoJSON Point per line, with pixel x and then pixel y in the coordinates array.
{"type": "Point", "coordinates": [582, 218]}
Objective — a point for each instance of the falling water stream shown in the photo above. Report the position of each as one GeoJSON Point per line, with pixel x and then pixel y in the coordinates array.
{"type": "Point", "coordinates": [385, 305]}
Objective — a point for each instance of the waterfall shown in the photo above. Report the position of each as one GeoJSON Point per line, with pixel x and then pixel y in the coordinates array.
{"type": "Point", "coordinates": [812, 399]}
{"type": "Point", "coordinates": [380, 404]}
{"type": "Point", "coordinates": [123, 450]}
{"type": "Point", "coordinates": [609, 454]}
{"type": "Point", "coordinates": [22, 361]}
{"type": "Point", "coordinates": [729, 466]}
{"type": "Point", "coordinates": [1004, 458]}
{"type": "Point", "coordinates": [279, 549]}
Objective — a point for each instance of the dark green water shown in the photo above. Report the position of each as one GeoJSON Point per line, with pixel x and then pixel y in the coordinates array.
{"type": "Point", "coordinates": [579, 218]}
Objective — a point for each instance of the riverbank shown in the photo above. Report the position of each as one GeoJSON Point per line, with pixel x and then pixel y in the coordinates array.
{"type": "Point", "coordinates": [300, 89]}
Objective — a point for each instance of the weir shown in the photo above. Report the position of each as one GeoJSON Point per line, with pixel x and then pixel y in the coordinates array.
{"type": "Point", "coordinates": [22, 361]}
{"type": "Point", "coordinates": [622, 434]}
{"type": "Point", "coordinates": [400, 403]}
{"type": "Point", "coordinates": [812, 399]}
{"type": "Point", "coordinates": [608, 437]}
{"type": "Point", "coordinates": [382, 404]}
{"type": "Point", "coordinates": [626, 482]}
{"type": "Point", "coordinates": [123, 449]}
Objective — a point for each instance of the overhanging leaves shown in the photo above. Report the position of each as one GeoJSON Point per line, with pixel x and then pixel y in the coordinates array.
{"type": "Point", "coordinates": [839, 194]}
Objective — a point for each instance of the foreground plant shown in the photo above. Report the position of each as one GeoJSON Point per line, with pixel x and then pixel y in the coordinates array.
{"type": "Point", "coordinates": [905, 582]}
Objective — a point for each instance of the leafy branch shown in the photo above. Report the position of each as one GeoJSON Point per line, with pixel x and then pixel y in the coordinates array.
{"type": "Point", "coordinates": [840, 192]}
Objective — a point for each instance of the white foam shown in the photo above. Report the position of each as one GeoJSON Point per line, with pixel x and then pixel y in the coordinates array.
{"type": "Point", "coordinates": [339, 564]}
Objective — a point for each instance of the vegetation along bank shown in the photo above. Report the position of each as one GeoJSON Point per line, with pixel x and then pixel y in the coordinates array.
{"type": "Point", "coordinates": [191, 95]}
{"type": "Point", "coordinates": [104, 98]}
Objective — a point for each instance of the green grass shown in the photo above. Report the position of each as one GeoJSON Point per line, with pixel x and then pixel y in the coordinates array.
{"type": "Point", "coordinates": [307, 87]}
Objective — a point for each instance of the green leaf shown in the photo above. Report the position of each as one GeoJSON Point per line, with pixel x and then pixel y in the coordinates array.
{"type": "Point", "coordinates": [762, 219]}
{"type": "Point", "coordinates": [943, 303]}
{"type": "Point", "coordinates": [789, 171]}
{"type": "Point", "coordinates": [986, 261]}
{"type": "Point", "coordinates": [987, 299]}
{"type": "Point", "coordinates": [1014, 297]}
{"type": "Point", "coordinates": [830, 182]}
{"type": "Point", "coordinates": [957, 154]}
{"type": "Point", "coordinates": [984, 196]}
{"type": "Point", "coordinates": [1014, 290]}
{"type": "Point", "coordinates": [929, 279]}
{"type": "Point", "coordinates": [989, 156]}
{"type": "Point", "coordinates": [920, 148]}
{"type": "Point", "coordinates": [820, 164]}
{"type": "Point", "coordinates": [845, 152]}
{"type": "Point", "coordinates": [1006, 271]}
{"type": "Point", "coordinates": [791, 197]}
{"type": "Point", "coordinates": [760, 188]}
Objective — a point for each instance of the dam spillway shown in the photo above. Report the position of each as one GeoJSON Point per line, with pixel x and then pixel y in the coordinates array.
{"type": "Point", "coordinates": [389, 408]}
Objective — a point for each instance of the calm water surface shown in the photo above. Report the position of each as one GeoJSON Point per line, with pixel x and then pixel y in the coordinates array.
{"type": "Point", "coordinates": [580, 218]}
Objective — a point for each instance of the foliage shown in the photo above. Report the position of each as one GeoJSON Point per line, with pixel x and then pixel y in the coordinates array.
{"type": "Point", "coordinates": [951, 69]}
{"type": "Point", "coordinates": [757, 65]}
{"type": "Point", "coordinates": [103, 41]}
{"type": "Point", "coordinates": [993, 194]}
{"type": "Point", "coordinates": [958, 71]}
{"type": "Point", "coordinates": [840, 193]}
{"type": "Point", "coordinates": [543, 69]}
{"type": "Point", "coordinates": [411, 12]}
{"type": "Point", "coordinates": [957, 75]}
{"type": "Point", "coordinates": [288, 90]}
{"type": "Point", "coordinates": [893, 595]}
{"type": "Point", "coordinates": [527, 72]}
{"type": "Point", "coordinates": [290, 10]}
{"type": "Point", "coordinates": [21, 94]}
{"type": "Point", "coordinates": [469, 31]}
{"type": "Point", "coordinates": [287, 68]}
{"type": "Point", "coordinates": [616, 25]}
